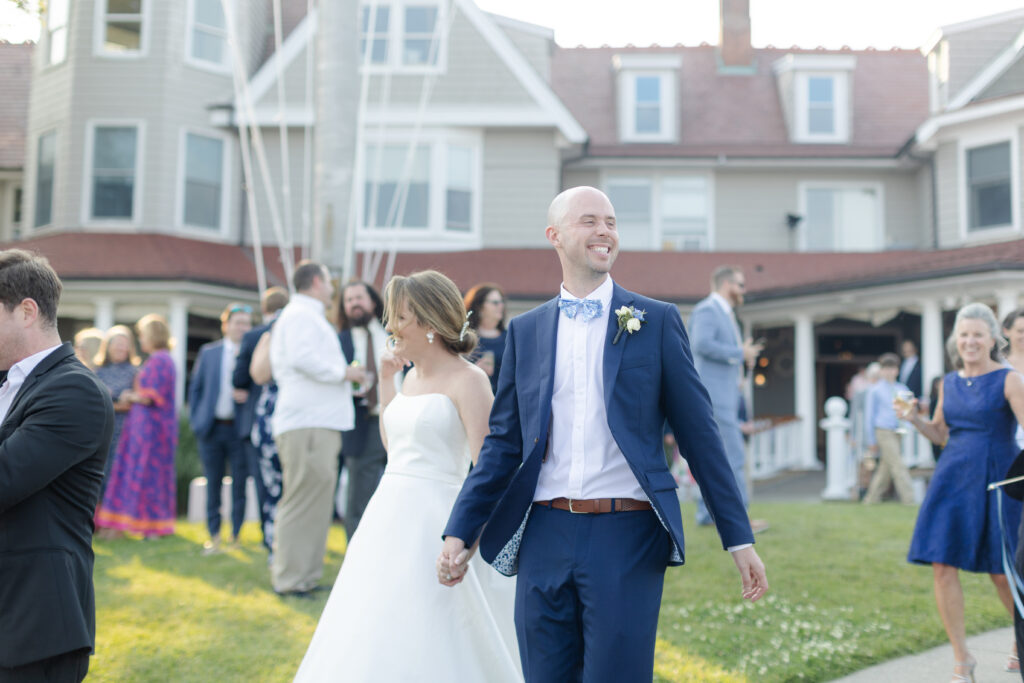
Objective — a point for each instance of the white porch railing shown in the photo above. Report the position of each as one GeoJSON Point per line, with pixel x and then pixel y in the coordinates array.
{"type": "Point", "coordinates": [775, 447]}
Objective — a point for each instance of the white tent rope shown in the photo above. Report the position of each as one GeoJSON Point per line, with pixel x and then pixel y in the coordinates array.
{"type": "Point", "coordinates": [249, 115]}
{"type": "Point", "coordinates": [307, 149]}
{"type": "Point", "coordinates": [282, 127]}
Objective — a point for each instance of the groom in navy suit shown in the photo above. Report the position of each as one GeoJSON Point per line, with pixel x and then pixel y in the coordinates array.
{"type": "Point", "coordinates": [571, 490]}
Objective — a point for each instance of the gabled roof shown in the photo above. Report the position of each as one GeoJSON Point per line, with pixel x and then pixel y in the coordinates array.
{"type": "Point", "coordinates": [15, 80]}
{"type": "Point", "coordinates": [683, 277]}
{"type": "Point", "coordinates": [987, 76]}
{"type": "Point", "coordinates": [741, 115]}
{"type": "Point", "coordinates": [137, 257]}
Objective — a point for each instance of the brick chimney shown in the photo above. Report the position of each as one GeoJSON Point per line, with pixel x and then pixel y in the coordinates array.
{"type": "Point", "coordinates": [734, 48]}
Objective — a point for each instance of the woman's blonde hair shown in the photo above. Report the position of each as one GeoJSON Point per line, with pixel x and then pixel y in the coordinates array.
{"type": "Point", "coordinates": [977, 311]}
{"type": "Point", "coordinates": [102, 356]}
{"type": "Point", "coordinates": [155, 327]}
{"type": "Point", "coordinates": [435, 302]}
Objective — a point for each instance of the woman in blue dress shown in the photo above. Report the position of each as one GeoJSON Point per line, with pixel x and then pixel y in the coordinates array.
{"type": "Point", "coordinates": [957, 527]}
{"type": "Point", "coordinates": [485, 304]}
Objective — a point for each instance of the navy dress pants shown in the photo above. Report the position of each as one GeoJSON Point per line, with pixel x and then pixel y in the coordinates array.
{"type": "Point", "coordinates": [588, 594]}
{"type": "Point", "coordinates": [220, 447]}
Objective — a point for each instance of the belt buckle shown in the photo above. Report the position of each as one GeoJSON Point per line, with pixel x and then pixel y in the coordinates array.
{"type": "Point", "coordinates": [575, 512]}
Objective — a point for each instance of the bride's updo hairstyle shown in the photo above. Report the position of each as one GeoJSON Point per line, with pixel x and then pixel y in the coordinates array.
{"type": "Point", "coordinates": [436, 303]}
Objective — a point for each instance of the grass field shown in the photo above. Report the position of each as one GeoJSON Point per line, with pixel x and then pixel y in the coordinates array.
{"type": "Point", "coordinates": [842, 597]}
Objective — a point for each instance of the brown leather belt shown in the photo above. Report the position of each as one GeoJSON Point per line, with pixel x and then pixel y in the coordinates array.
{"type": "Point", "coordinates": [595, 506]}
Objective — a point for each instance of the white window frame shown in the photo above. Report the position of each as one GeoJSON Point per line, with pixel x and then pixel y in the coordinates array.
{"type": "Point", "coordinates": [100, 19]}
{"type": "Point", "coordinates": [656, 182]}
{"type": "Point", "coordinates": [227, 155]}
{"type": "Point", "coordinates": [396, 38]}
{"type": "Point", "coordinates": [966, 143]}
{"type": "Point", "coordinates": [31, 225]}
{"type": "Point", "coordinates": [138, 191]}
{"type": "Point", "coordinates": [840, 105]}
{"type": "Point", "coordinates": [628, 104]}
{"type": "Point", "coordinates": [435, 237]}
{"type": "Point", "coordinates": [877, 187]}
{"type": "Point", "coordinates": [48, 32]}
{"type": "Point", "coordinates": [205, 65]}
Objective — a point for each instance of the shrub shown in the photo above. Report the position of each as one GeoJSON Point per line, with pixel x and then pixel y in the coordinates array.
{"type": "Point", "coordinates": [186, 462]}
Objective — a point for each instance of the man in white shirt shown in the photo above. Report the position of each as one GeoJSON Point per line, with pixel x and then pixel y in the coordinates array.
{"type": "Point", "coordinates": [720, 354]}
{"type": "Point", "coordinates": [212, 404]}
{"type": "Point", "coordinates": [571, 491]}
{"type": "Point", "coordinates": [314, 405]}
{"type": "Point", "coordinates": [362, 340]}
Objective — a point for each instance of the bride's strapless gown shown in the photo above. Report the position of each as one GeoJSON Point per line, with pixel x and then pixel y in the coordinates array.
{"type": "Point", "coordinates": [388, 619]}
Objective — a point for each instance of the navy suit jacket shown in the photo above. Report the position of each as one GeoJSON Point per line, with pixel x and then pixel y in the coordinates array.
{"type": "Point", "coordinates": [53, 444]}
{"type": "Point", "coordinates": [648, 378]}
{"type": "Point", "coordinates": [205, 388]}
{"type": "Point", "coordinates": [245, 413]}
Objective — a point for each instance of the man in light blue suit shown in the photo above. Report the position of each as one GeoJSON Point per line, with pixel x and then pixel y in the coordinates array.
{"type": "Point", "coordinates": [720, 354]}
{"type": "Point", "coordinates": [571, 490]}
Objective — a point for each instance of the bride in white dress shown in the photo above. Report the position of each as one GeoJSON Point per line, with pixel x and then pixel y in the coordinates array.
{"type": "Point", "coordinates": [388, 618]}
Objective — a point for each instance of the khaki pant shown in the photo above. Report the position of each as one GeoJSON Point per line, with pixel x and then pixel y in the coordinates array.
{"type": "Point", "coordinates": [890, 469]}
{"type": "Point", "coordinates": [309, 468]}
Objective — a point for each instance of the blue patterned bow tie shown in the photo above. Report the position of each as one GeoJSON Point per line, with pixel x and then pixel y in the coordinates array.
{"type": "Point", "coordinates": [588, 308]}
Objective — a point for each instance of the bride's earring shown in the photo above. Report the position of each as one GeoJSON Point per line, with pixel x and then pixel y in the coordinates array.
{"type": "Point", "coordinates": [430, 337]}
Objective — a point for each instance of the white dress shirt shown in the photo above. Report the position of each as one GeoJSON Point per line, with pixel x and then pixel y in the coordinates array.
{"type": "Point", "coordinates": [225, 409]}
{"type": "Point", "coordinates": [361, 339]}
{"type": "Point", "coordinates": [583, 461]}
{"type": "Point", "coordinates": [309, 368]}
{"type": "Point", "coordinates": [16, 377]}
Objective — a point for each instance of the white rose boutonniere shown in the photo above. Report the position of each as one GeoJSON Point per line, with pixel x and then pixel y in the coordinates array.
{"type": "Point", "coordinates": [630, 320]}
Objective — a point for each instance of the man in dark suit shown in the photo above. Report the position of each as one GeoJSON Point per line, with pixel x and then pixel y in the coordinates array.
{"type": "Point", "coordinates": [571, 490]}
{"type": "Point", "coordinates": [362, 341]}
{"type": "Point", "coordinates": [56, 421]}
{"type": "Point", "coordinates": [273, 300]}
{"type": "Point", "coordinates": [910, 368]}
{"type": "Point", "coordinates": [212, 401]}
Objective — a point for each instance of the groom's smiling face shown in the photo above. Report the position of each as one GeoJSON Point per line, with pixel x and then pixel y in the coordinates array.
{"type": "Point", "coordinates": [586, 237]}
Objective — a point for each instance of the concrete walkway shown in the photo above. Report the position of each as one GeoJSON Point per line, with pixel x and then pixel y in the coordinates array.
{"type": "Point", "coordinates": [990, 649]}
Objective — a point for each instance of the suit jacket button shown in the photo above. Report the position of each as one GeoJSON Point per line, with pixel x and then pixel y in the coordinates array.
{"type": "Point", "coordinates": [536, 440]}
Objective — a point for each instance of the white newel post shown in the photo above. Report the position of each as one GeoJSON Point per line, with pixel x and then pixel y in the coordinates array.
{"type": "Point", "coordinates": [836, 450]}
{"type": "Point", "coordinates": [803, 376]}
{"type": "Point", "coordinates": [933, 352]}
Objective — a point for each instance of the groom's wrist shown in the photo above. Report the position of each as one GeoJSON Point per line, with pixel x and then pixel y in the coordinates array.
{"type": "Point", "coordinates": [741, 546]}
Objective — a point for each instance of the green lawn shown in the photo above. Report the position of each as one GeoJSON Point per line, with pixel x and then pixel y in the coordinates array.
{"type": "Point", "coordinates": [842, 597]}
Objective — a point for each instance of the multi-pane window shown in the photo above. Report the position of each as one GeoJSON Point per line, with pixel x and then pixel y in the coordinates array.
{"type": "Point", "coordinates": [204, 181]}
{"type": "Point", "coordinates": [431, 190]}
{"type": "Point", "coordinates": [208, 33]}
{"type": "Point", "coordinates": [381, 16]}
{"type": "Point", "coordinates": [667, 212]}
{"type": "Point", "coordinates": [57, 31]}
{"type": "Point", "coordinates": [648, 105]}
{"type": "Point", "coordinates": [113, 172]}
{"type": "Point", "coordinates": [989, 186]}
{"type": "Point", "coordinates": [45, 162]}
{"type": "Point", "coordinates": [122, 26]}
{"type": "Point", "coordinates": [404, 34]}
{"type": "Point", "coordinates": [821, 105]}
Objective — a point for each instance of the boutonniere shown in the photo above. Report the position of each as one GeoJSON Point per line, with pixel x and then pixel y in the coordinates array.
{"type": "Point", "coordinates": [630, 320]}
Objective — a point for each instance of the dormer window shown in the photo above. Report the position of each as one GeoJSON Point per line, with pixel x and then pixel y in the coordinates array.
{"type": "Point", "coordinates": [815, 90]}
{"type": "Point", "coordinates": [647, 97]}
{"type": "Point", "coordinates": [406, 35]}
{"type": "Point", "coordinates": [119, 28]}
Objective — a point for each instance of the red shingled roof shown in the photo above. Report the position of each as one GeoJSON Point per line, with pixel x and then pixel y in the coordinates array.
{"type": "Point", "coordinates": [15, 77]}
{"type": "Point", "coordinates": [741, 115]}
{"type": "Point", "coordinates": [105, 256]}
{"type": "Point", "coordinates": [684, 277]}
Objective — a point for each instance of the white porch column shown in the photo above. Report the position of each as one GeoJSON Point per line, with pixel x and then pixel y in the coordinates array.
{"type": "Point", "coordinates": [803, 376]}
{"type": "Point", "coordinates": [178, 320]}
{"type": "Point", "coordinates": [1006, 301]}
{"type": "Point", "coordinates": [103, 319]}
{"type": "Point", "coordinates": [933, 351]}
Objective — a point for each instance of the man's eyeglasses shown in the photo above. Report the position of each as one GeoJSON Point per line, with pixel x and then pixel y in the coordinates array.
{"type": "Point", "coordinates": [240, 309]}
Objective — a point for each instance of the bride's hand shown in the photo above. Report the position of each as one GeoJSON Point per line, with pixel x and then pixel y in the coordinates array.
{"type": "Point", "coordinates": [453, 561]}
{"type": "Point", "coordinates": [390, 365]}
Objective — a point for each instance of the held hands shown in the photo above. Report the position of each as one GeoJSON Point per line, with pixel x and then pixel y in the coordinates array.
{"type": "Point", "coordinates": [453, 561]}
{"type": "Point", "coordinates": [390, 365]}
{"type": "Point", "coordinates": [755, 581]}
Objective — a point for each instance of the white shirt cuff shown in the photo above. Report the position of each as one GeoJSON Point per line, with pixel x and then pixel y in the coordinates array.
{"type": "Point", "coordinates": [741, 546]}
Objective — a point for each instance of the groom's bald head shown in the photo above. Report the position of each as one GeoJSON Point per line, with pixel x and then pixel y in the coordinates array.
{"type": "Point", "coordinates": [561, 205]}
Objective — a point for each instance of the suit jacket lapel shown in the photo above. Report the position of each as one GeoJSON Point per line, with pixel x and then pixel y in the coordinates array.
{"type": "Point", "coordinates": [547, 340]}
{"type": "Point", "coordinates": [613, 352]}
{"type": "Point", "coordinates": [58, 354]}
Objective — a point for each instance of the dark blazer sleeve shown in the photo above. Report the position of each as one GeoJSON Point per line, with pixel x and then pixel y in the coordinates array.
{"type": "Point", "coordinates": [58, 431]}
{"type": "Point", "coordinates": [500, 456]}
{"type": "Point", "coordinates": [240, 377]}
{"type": "Point", "coordinates": [197, 389]}
{"type": "Point", "coordinates": [688, 409]}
